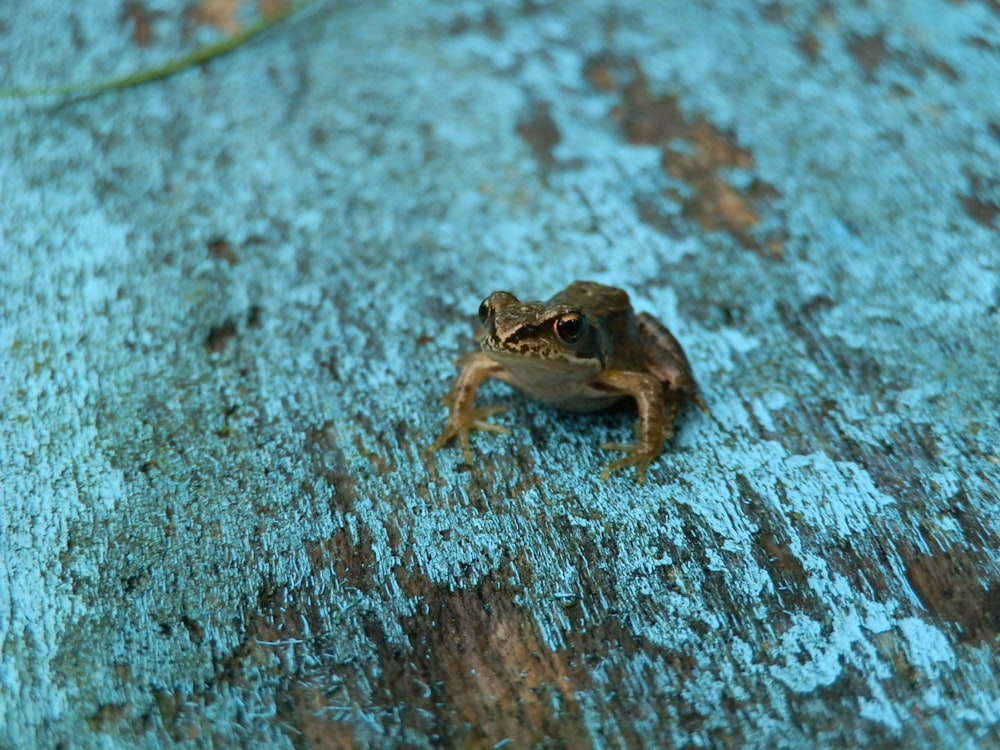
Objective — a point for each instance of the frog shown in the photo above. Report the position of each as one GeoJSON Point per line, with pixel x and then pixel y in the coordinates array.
{"type": "Point", "coordinates": [582, 350]}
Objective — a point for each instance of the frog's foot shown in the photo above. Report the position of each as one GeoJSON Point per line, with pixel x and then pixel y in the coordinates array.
{"type": "Point", "coordinates": [461, 425]}
{"type": "Point", "coordinates": [640, 455]}
{"type": "Point", "coordinates": [647, 447]}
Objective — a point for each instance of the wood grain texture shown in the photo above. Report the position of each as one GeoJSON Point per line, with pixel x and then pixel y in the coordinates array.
{"type": "Point", "coordinates": [230, 304]}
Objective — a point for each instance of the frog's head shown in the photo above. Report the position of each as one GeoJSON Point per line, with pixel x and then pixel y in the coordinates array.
{"type": "Point", "coordinates": [552, 335]}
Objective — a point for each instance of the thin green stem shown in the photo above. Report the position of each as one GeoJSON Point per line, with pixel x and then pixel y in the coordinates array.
{"type": "Point", "coordinates": [197, 57]}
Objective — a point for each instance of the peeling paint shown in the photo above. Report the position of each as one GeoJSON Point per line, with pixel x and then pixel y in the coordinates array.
{"type": "Point", "coordinates": [229, 318]}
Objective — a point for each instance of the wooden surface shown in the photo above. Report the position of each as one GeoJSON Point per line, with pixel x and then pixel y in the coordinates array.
{"type": "Point", "coordinates": [230, 304]}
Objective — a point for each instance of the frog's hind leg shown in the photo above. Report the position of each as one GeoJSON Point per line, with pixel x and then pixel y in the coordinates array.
{"type": "Point", "coordinates": [660, 348]}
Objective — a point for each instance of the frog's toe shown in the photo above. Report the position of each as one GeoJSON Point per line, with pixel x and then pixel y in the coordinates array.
{"type": "Point", "coordinates": [450, 434]}
{"type": "Point", "coordinates": [485, 412]}
{"type": "Point", "coordinates": [480, 415]}
{"type": "Point", "coordinates": [635, 456]}
{"type": "Point", "coordinates": [496, 429]}
{"type": "Point", "coordinates": [443, 439]}
{"type": "Point", "coordinates": [461, 428]}
{"type": "Point", "coordinates": [464, 439]}
{"type": "Point", "coordinates": [617, 447]}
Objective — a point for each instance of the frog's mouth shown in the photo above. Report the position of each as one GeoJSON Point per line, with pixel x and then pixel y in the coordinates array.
{"type": "Point", "coordinates": [544, 365]}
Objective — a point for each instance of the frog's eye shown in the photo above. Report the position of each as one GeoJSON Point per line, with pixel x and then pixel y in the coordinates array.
{"type": "Point", "coordinates": [484, 310]}
{"type": "Point", "coordinates": [570, 327]}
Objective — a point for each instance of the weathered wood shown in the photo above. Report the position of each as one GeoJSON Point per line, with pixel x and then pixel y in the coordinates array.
{"type": "Point", "coordinates": [230, 303]}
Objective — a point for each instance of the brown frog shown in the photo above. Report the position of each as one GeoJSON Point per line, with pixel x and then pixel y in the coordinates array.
{"type": "Point", "coordinates": [582, 350]}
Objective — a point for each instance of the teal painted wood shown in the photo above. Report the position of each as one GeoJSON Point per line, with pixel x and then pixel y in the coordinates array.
{"type": "Point", "coordinates": [231, 300]}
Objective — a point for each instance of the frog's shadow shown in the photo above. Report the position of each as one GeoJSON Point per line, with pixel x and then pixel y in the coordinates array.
{"type": "Point", "coordinates": [616, 423]}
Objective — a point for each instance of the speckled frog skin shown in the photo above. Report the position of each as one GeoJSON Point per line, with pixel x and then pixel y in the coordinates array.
{"type": "Point", "coordinates": [584, 349]}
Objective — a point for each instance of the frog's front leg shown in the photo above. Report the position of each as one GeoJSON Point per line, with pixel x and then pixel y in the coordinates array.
{"type": "Point", "coordinates": [656, 418]}
{"type": "Point", "coordinates": [463, 416]}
